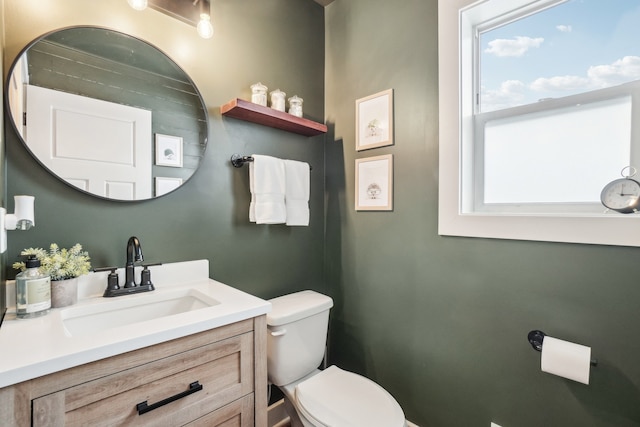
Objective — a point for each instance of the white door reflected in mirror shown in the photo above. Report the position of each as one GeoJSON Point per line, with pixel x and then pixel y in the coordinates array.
{"type": "Point", "coordinates": [115, 162]}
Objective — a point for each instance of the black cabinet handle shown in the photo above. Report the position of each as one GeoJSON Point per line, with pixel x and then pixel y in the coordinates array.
{"type": "Point", "coordinates": [143, 407]}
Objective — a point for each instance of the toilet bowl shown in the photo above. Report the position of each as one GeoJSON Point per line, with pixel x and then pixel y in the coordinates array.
{"type": "Point", "coordinates": [333, 397]}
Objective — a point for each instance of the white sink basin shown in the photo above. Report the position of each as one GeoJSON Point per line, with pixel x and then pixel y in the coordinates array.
{"type": "Point", "coordinates": [131, 309]}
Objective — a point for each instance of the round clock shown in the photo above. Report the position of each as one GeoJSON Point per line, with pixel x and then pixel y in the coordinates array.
{"type": "Point", "coordinates": [622, 195]}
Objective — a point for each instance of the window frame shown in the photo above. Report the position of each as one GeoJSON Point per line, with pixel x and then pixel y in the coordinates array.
{"type": "Point", "coordinates": [457, 105]}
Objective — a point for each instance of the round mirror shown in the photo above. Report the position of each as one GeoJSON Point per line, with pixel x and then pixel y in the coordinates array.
{"type": "Point", "coordinates": [107, 113]}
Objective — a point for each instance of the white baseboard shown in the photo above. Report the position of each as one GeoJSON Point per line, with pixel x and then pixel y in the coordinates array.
{"type": "Point", "coordinates": [410, 424]}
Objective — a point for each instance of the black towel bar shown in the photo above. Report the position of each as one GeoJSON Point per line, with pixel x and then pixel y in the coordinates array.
{"type": "Point", "coordinates": [238, 161]}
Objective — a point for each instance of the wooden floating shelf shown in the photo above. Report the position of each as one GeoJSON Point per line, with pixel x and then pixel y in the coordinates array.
{"type": "Point", "coordinates": [245, 110]}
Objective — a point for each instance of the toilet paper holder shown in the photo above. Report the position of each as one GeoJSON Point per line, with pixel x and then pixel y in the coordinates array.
{"type": "Point", "coordinates": [537, 337]}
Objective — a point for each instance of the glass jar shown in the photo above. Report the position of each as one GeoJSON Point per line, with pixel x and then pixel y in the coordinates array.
{"type": "Point", "coordinates": [33, 291]}
{"type": "Point", "coordinates": [277, 100]}
{"type": "Point", "coordinates": [259, 94]}
{"type": "Point", "coordinates": [295, 106]}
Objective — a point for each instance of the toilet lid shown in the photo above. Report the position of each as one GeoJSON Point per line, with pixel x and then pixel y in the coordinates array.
{"type": "Point", "coordinates": [337, 398]}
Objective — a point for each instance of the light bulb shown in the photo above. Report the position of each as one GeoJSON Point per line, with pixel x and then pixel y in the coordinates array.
{"type": "Point", "coordinates": [138, 4]}
{"type": "Point", "coordinates": [205, 29]}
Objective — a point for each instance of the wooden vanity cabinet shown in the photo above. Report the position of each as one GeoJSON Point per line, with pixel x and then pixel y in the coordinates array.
{"type": "Point", "coordinates": [213, 378]}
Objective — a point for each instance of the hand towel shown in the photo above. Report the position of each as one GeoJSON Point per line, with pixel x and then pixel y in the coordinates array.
{"type": "Point", "coordinates": [267, 185]}
{"type": "Point", "coordinates": [297, 192]}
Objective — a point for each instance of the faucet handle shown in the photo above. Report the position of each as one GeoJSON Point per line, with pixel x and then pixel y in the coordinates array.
{"type": "Point", "coordinates": [145, 276]}
{"type": "Point", "coordinates": [151, 264]}
{"type": "Point", "coordinates": [112, 278]}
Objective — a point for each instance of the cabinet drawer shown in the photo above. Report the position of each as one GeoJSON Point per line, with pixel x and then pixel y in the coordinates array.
{"type": "Point", "coordinates": [224, 370]}
{"type": "Point", "coordinates": [235, 414]}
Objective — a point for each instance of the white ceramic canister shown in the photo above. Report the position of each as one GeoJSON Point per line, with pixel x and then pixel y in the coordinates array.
{"type": "Point", "coordinates": [295, 106]}
{"type": "Point", "coordinates": [259, 94]}
{"type": "Point", "coordinates": [277, 100]}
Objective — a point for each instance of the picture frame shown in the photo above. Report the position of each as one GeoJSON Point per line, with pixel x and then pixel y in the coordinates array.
{"type": "Point", "coordinates": [166, 185]}
{"type": "Point", "coordinates": [168, 150]}
{"type": "Point", "coordinates": [374, 183]}
{"type": "Point", "coordinates": [374, 120]}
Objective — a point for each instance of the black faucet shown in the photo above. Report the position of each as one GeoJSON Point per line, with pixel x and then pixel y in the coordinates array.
{"type": "Point", "coordinates": [134, 254]}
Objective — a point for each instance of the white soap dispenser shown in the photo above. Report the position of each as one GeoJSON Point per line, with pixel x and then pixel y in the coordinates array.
{"type": "Point", "coordinates": [33, 291]}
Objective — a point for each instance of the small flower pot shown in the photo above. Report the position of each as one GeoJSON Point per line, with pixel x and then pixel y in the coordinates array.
{"type": "Point", "coordinates": [64, 292]}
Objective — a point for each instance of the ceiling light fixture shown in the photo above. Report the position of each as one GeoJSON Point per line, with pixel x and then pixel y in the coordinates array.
{"type": "Point", "coordinates": [205, 29]}
{"type": "Point", "coordinates": [192, 12]}
{"type": "Point", "coordinates": [138, 4]}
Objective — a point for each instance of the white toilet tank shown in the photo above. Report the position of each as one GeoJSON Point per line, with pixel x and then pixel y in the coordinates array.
{"type": "Point", "coordinates": [297, 334]}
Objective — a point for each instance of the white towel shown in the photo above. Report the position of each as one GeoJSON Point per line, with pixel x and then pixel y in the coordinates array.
{"type": "Point", "coordinates": [297, 192]}
{"type": "Point", "coordinates": [267, 185]}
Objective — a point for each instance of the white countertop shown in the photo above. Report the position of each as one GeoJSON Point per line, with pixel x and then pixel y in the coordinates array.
{"type": "Point", "coordinates": [30, 348]}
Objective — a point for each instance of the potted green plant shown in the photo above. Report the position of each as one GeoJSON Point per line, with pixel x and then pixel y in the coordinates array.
{"type": "Point", "coordinates": [64, 266]}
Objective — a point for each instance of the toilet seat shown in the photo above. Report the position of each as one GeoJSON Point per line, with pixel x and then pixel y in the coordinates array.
{"type": "Point", "coordinates": [335, 397]}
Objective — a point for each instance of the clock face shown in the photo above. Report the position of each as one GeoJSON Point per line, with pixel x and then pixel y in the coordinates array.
{"type": "Point", "coordinates": [622, 195]}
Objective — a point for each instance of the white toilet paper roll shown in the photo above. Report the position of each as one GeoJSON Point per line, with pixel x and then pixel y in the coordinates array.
{"type": "Point", "coordinates": [566, 359]}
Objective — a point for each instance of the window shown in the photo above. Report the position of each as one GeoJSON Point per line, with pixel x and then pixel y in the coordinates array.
{"type": "Point", "coordinates": [538, 112]}
{"type": "Point", "coordinates": [551, 159]}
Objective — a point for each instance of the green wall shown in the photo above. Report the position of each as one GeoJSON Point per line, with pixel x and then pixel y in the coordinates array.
{"type": "Point", "coordinates": [278, 42]}
{"type": "Point", "coordinates": [442, 322]}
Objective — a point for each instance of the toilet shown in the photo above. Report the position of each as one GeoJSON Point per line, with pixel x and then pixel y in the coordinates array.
{"type": "Point", "coordinates": [296, 338]}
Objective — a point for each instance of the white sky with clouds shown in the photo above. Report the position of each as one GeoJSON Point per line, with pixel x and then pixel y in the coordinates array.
{"type": "Point", "coordinates": [574, 47]}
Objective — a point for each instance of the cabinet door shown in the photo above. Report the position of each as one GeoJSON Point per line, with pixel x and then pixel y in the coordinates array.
{"type": "Point", "coordinates": [236, 414]}
{"type": "Point", "coordinates": [224, 370]}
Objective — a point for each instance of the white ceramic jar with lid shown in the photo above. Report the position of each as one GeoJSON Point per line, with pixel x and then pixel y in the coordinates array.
{"type": "Point", "coordinates": [259, 94]}
{"type": "Point", "coordinates": [277, 100]}
{"type": "Point", "coordinates": [295, 106]}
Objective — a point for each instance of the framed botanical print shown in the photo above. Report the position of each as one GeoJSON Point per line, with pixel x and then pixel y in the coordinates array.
{"type": "Point", "coordinates": [374, 183]}
{"type": "Point", "coordinates": [168, 150]}
{"type": "Point", "coordinates": [374, 120]}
